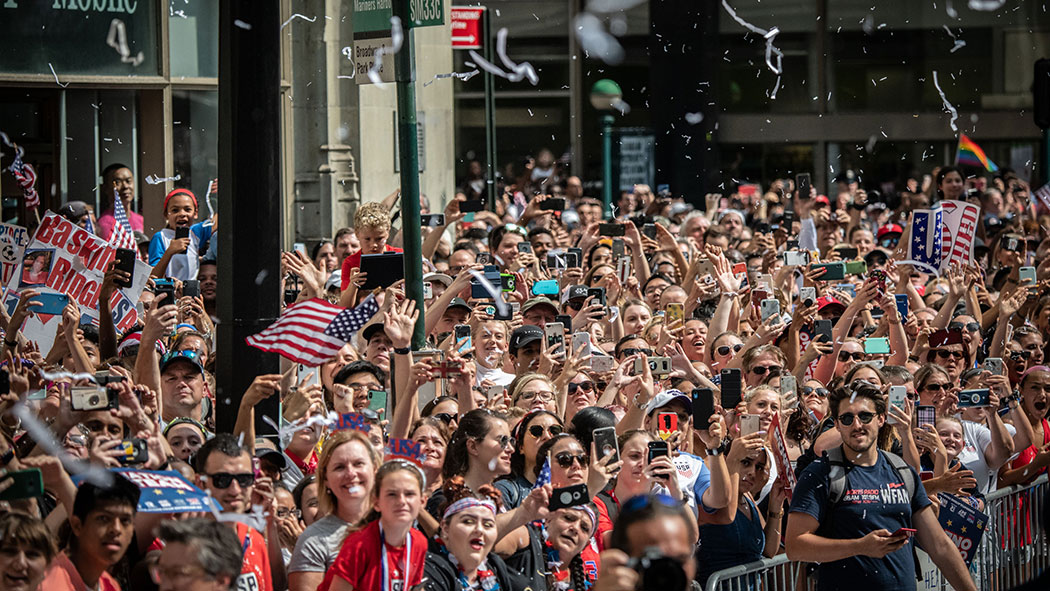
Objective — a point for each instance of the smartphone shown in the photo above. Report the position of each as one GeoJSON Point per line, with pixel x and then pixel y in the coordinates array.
{"type": "Point", "coordinates": [50, 303]}
{"type": "Point", "coordinates": [658, 366]}
{"type": "Point", "coordinates": [824, 330]}
{"type": "Point", "coordinates": [602, 363]}
{"type": "Point", "coordinates": [769, 307]}
{"type": "Point", "coordinates": [675, 313]}
{"type": "Point", "coordinates": [184, 232]}
{"type": "Point", "coordinates": [573, 256]}
{"type": "Point", "coordinates": [796, 258]}
{"type": "Point", "coordinates": [703, 408]}
{"type": "Point", "coordinates": [808, 296]}
{"type": "Point", "coordinates": [730, 388]}
{"type": "Point", "coordinates": [553, 204]}
{"type": "Point", "coordinates": [993, 365]}
{"type": "Point", "coordinates": [471, 205]}
{"type": "Point", "coordinates": [749, 424]}
{"type": "Point", "coordinates": [124, 260]}
{"type": "Point", "coordinates": [898, 397]}
{"type": "Point", "coordinates": [166, 287]}
{"type": "Point", "coordinates": [902, 305]}
{"type": "Point", "coordinates": [649, 230]}
{"type": "Point", "coordinates": [135, 451]}
{"type": "Point", "coordinates": [657, 449]}
{"type": "Point", "coordinates": [507, 282]}
{"type": "Point", "coordinates": [618, 248]}
{"type": "Point", "coordinates": [545, 287]}
{"type": "Point", "coordinates": [1026, 275]}
{"type": "Point", "coordinates": [92, 398]}
{"type": "Point", "coordinates": [925, 415]}
{"type": "Point", "coordinates": [605, 443]}
{"type": "Point", "coordinates": [789, 387]}
{"type": "Point", "coordinates": [581, 340]}
{"type": "Point", "coordinates": [848, 253]}
{"type": "Point", "coordinates": [973, 398]}
{"type": "Point", "coordinates": [564, 319]}
{"type": "Point", "coordinates": [555, 333]}
{"type": "Point", "coordinates": [506, 314]}
{"type": "Point", "coordinates": [847, 288]}
{"type": "Point", "coordinates": [25, 484]}
{"type": "Point", "coordinates": [611, 229]}
{"type": "Point", "coordinates": [569, 496]}
{"type": "Point", "coordinates": [904, 531]}
{"type": "Point", "coordinates": [493, 392]}
{"type": "Point", "coordinates": [428, 290]}
{"type": "Point", "coordinates": [877, 346]}
{"type": "Point", "coordinates": [432, 220]}
{"type": "Point", "coordinates": [666, 425]}
{"type": "Point", "coordinates": [377, 401]}
{"type": "Point", "coordinates": [803, 183]}
{"type": "Point", "coordinates": [946, 336]}
{"type": "Point", "coordinates": [623, 269]}
{"type": "Point", "coordinates": [460, 332]}
{"type": "Point", "coordinates": [856, 267]}
{"type": "Point", "coordinates": [525, 246]}
{"type": "Point", "coordinates": [557, 260]}
{"type": "Point", "coordinates": [835, 271]}
{"type": "Point", "coordinates": [192, 288]}
{"type": "Point", "coordinates": [597, 293]}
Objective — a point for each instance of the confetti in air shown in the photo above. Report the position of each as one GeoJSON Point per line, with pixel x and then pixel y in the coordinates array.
{"type": "Point", "coordinates": [464, 76]}
{"type": "Point", "coordinates": [694, 118]}
{"type": "Point", "coordinates": [947, 105]}
{"type": "Point", "coordinates": [156, 180]}
{"type": "Point", "coordinates": [517, 72]}
{"type": "Point", "coordinates": [118, 39]}
{"type": "Point", "coordinates": [397, 37]}
{"type": "Point", "coordinates": [986, 5]}
{"type": "Point", "coordinates": [297, 15]}
{"type": "Point", "coordinates": [43, 437]}
{"type": "Point", "coordinates": [496, 294]}
{"type": "Point", "coordinates": [771, 50]}
{"type": "Point", "coordinates": [242, 24]}
{"type": "Point", "coordinates": [959, 43]}
{"type": "Point", "coordinates": [596, 41]}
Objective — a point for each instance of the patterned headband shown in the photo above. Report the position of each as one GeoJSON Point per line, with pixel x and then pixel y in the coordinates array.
{"type": "Point", "coordinates": [468, 503]}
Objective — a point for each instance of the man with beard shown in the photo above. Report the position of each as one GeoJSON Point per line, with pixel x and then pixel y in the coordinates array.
{"type": "Point", "coordinates": [854, 510]}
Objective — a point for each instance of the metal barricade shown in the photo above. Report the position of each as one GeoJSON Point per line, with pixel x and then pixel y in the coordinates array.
{"type": "Point", "coordinates": [1012, 551]}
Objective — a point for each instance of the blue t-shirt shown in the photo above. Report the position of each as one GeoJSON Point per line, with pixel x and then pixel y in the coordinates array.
{"type": "Point", "coordinates": [693, 478]}
{"type": "Point", "coordinates": [180, 266]}
{"type": "Point", "coordinates": [875, 498]}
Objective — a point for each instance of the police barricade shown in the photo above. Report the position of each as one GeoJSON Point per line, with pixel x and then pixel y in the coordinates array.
{"type": "Point", "coordinates": [1012, 551]}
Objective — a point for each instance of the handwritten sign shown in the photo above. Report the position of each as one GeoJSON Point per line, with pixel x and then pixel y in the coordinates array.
{"type": "Point", "coordinates": [64, 258]}
{"type": "Point", "coordinates": [13, 242]}
{"type": "Point", "coordinates": [785, 474]}
{"type": "Point", "coordinates": [353, 420]}
{"type": "Point", "coordinates": [404, 449]}
{"type": "Point", "coordinates": [162, 492]}
{"type": "Point", "coordinates": [964, 525]}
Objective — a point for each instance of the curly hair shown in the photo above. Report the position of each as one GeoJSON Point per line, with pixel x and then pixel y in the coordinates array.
{"type": "Point", "coordinates": [373, 216]}
{"type": "Point", "coordinates": [456, 488]}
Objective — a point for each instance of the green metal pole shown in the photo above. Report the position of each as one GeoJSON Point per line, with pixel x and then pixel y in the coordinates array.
{"type": "Point", "coordinates": [490, 113]}
{"type": "Point", "coordinates": [404, 75]}
{"type": "Point", "coordinates": [607, 176]}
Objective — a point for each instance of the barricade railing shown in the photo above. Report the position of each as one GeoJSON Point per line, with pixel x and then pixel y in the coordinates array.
{"type": "Point", "coordinates": [1012, 551]}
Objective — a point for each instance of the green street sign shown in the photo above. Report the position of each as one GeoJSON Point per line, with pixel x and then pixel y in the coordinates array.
{"type": "Point", "coordinates": [371, 16]}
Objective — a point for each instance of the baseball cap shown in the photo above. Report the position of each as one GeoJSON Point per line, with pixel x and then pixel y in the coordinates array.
{"type": "Point", "coordinates": [667, 397]}
{"type": "Point", "coordinates": [461, 303]}
{"type": "Point", "coordinates": [264, 450]}
{"type": "Point", "coordinates": [825, 301]}
{"type": "Point", "coordinates": [538, 301]}
{"type": "Point", "coordinates": [188, 356]}
{"type": "Point", "coordinates": [572, 292]}
{"type": "Point", "coordinates": [334, 280]}
{"type": "Point", "coordinates": [523, 335]}
{"type": "Point", "coordinates": [439, 277]}
{"type": "Point", "coordinates": [889, 229]}
{"type": "Point", "coordinates": [73, 211]}
{"type": "Point", "coordinates": [876, 257]}
{"type": "Point", "coordinates": [370, 331]}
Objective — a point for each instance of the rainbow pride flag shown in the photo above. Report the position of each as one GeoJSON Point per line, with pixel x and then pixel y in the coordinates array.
{"type": "Point", "coordinates": [972, 154]}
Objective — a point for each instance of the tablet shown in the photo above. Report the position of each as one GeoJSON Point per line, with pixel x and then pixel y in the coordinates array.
{"type": "Point", "coordinates": [383, 269]}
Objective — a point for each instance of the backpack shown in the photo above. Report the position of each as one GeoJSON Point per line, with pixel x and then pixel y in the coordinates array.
{"type": "Point", "coordinates": [840, 467]}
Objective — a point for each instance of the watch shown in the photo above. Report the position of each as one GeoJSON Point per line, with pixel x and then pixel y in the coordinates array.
{"type": "Point", "coordinates": [402, 351]}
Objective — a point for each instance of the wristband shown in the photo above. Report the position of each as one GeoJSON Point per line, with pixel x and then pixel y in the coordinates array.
{"type": "Point", "coordinates": [402, 351]}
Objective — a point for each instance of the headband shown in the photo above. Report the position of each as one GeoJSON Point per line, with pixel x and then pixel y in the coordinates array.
{"type": "Point", "coordinates": [134, 339]}
{"type": "Point", "coordinates": [175, 192]}
{"type": "Point", "coordinates": [1033, 369]}
{"type": "Point", "coordinates": [468, 503]}
{"type": "Point", "coordinates": [590, 515]}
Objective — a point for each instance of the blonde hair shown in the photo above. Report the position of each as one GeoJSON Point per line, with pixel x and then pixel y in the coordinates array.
{"type": "Point", "coordinates": [750, 394]}
{"type": "Point", "coordinates": [326, 499]}
{"type": "Point", "coordinates": [371, 215]}
{"type": "Point", "coordinates": [521, 381]}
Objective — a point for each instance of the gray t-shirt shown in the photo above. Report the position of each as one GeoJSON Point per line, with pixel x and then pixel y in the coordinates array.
{"type": "Point", "coordinates": [319, 545]}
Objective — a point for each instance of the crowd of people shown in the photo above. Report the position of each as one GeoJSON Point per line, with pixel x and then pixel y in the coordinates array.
{"type": "Point", "coordinates": [602, 402]}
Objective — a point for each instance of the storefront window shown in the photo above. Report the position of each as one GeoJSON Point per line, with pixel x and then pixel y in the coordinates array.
{"type": "Point", "coordinates": [195, 115]}
{"type": "Point", "coordinates": [193, 31]}
{"type": "Point", "coordinates": [79, 37]}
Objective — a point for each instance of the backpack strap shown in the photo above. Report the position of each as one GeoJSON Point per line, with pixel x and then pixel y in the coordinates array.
{"type": "Point", "coordinates": [837, 475]}
{"type": "Point", "coordinates": [610, 505]}
{"type": "Point", "coordinates": [904, 471]}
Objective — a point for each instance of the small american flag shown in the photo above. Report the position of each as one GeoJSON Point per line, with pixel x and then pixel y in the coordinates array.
{"type": "Point", "coordinates": [23, 173]}
{"type": "Point", "coordinates": [545, 474]}
{"type": "Point", "coordinates": [123, 236]}
{"type": "Point", "coordinates": [90, 227]}
{"type": "Point", "coordinates": [313, 331]}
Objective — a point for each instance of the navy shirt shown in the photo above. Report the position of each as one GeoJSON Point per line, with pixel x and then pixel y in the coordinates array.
{"type": "Point", "coordinates": [875, 498]}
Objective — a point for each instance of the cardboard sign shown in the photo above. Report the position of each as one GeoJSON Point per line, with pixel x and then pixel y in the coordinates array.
{"type": "Point", "coordinates": [404, 449]}
{"type": "Point", "coordinates": [13, 242]}
{"type": "Point", "coordinates": [355, 421]}
{"type": "Point", "coordinates": [64, 258]}
{"type": "Point", "coordinates": [163, 492]}
{"type": "Point", "coordinates": [964, 525]}
{"type": "Point", "coordinates": [785, 473]}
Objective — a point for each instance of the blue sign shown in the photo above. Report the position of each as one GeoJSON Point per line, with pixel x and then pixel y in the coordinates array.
{"type": "Point", "coordinates": [963, 523]}
{"type": "Point", "coordinates": [355, 421]}
{"type": "Point", "coordinates": [163, 492]}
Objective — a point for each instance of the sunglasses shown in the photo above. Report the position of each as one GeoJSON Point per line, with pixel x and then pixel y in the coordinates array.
{"type": "Point", "coordinates": [724, 349]}
{"type": "Point", "coordinates": [822, 392]}
{"type": "Point", "coordinates": [565, 459]}
{"type": "Point", "coordinates": [444, 417]}
{"type": "Point", "coordinates": [1019, 355]}
{"type": "Point", "coordinates": [632, 351]}
{"type": "Point", "coordinates": [586, 386]}
{"type": "Point", "coordinates": [537, 430]}
{"type": "Point", "coordinates": [969, 326]}
{"type": "Point", "coordinates": [935, 387]}
{"type": "Point", "coordinates": [945, 353]}
{"type": "Point", "coordinates": [846, 356]}
{"type": "Point", "coordinates": [505, 441]}
{"type": "Point", "coordinates": [865, 417]}
{"type": "Point", "coordinates": [225, 479]}
{"type": "Point", "coordinates": [760, 370]}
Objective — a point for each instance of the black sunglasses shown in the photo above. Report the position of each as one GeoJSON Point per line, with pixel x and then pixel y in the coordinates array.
{"type": "Point", "coordinates": [935, 387]}
{"type": "Point", "coordinates": [444, 417]}
{"type": "Point", "coordinates": [225, 479]}
{"type": "Point", "coordinates": [724, 349]}
{"type": "Point", "coordinates": [969, 326]}
{"type": "Point", "coordinates": [553, 430]}
{"type": "Point", "coordinates": [945, 353]}
{"type": "Point", "coordinates": [760, 370]}
{"type": "Point", "coordinates": [822, 392]}
{"type": "Point", "coordinates": [632, 351]}
{"type": "Point", "coordinates": [1020, 355]}
{"type": "Point", "coordinates": [565, 459]}
{"type": "Point", "coordinates": [847, 418]}
{"type": "Point", "coordinates": [587, 386]}
{"type": "Point", "coordinates": [845, 356]}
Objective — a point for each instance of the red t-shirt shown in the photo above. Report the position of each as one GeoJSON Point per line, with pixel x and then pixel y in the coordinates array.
{"type": "Point", "coordinates": [1028, 454]}
{"type": "Point", "coordinates": [354, 262]}
{"type": "Point", "coordinates": [360, 561]}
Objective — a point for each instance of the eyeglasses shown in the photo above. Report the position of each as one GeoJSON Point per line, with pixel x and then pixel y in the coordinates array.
{"type": "Point", "coordinates": [553, 430]}
{"type": "Point", "coordinates": [632, 351]}
{"type": "Point", "coordinates": [846, 419]}
{"type": "Point", "coordinates": [760, 370]}
{"type": "Point", "coordinates": [845, 356]}
{"type": "Point", "coordinates": [945, 353]}
{"type": "Point", "coordinates": [969, 326]}
{"type": "Point", "coordinates": [175, 573]}
{"type": "Point", "coordinates": [355, 388]}
{"type": "Point", "coordinates": [545, 395]}
{"type": "Point", "coordinates": [935, 387]}
{"type": "Point", "coordinates": [822, 392]}
{"type": "Point", "coordinates": [565, 459]}
{"type": "Point", "coordinates": [225, 479]}
{"type": "Point", "coordinates": [586, 386]}
{"type": "Point", "coordinates": [283, 512]}
{"type": "Point", "coordinates": [724, 349]}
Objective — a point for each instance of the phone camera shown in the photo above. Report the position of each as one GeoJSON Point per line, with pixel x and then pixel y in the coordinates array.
{"type": "Point", "coordinates": [658, 572]}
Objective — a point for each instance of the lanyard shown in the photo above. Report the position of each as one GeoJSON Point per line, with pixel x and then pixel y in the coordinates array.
{"type": "Point", "coordinates": [386, 585]}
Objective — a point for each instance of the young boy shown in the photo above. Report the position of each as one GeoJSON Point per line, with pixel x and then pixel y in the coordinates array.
{"type": "Point", "coordinates": [172, 257]}
{"type": "Point", "coordinates": [372, 226]}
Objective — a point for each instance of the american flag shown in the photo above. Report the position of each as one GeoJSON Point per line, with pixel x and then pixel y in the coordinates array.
{"type": "Point", "coordinates": [925, 245]}
{"type": "Point", "coordinates": [544, 476]}
{"type": "Point", "coordinates": [313, 331]}
{"type": "Point", "coordinates": [90, 227]}
{"type": "Point", "coordinates": [123, 236]}
{"type": "Point", "coordinates": [943, 236]}
{"type": "Point", "coordinates": [23, 173]}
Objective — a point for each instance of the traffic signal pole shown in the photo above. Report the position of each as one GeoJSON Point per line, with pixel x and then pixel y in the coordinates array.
{"type": "Point", "coordinates": [405, 76]}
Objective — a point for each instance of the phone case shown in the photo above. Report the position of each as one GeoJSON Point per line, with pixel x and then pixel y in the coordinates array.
{"type": "Point", "coordinates": [27, 484]}
{"type": "Point", "coordinates": [570, 496]}
{"type": "Point", "coordinates": [51, 303]}
{"type": "Point", "coordinates": [666, 425]}
{"type": "Point", "coordinates": [605, 443]}
{"type": "Point", "coordinates": [377, 400]}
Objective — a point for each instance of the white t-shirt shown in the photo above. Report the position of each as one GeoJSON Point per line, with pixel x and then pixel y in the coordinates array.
{"type": "Point", "coordinates": [977, 437]}
{"type": "Point", "coordinates": [497, 377]}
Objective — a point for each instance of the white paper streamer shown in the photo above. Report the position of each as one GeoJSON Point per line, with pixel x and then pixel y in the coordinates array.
{"type": "Point", "coordinates": [397, 37]}
{"type": "Point", "coordinates": [947, 105]}
{"type": "Point", "coordinates": [118, 39]}
{"type": "Point", "coordinates": [242, 24]}
{"type": "Point", "coordinates": [42, 436]}
{"type": "Point", "coordinates": [297, 15]}
{"type": "Point", "coordinates": [464, 76]}
{"type": "Point", "coordinates": [771, 50]}
{"type": "Point", "coordinates": [959, 43]}
{"type": "Point", "coordinates": [517, 72]}
{"type": "Point", "coordinates": [986, 5]}
{"type": "Point", "coordinates": [594, 39]}
{"type": "Point", "coordinates": [495, 293]}
{"type": "Point", "coordinates": [58, 375]}
{"type": "Point", "coordinates": [56, 76]}
{"type": "Point", "coordinates": [156, 180]}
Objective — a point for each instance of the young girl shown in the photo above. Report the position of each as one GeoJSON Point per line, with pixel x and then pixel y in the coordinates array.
{"type": "Point", "coordinates": [171, 257]}
{"type": "Point", "coordinates": [387, 553]}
